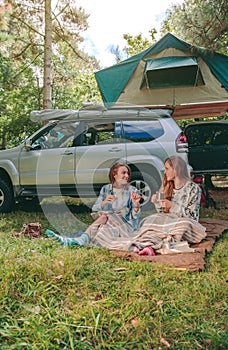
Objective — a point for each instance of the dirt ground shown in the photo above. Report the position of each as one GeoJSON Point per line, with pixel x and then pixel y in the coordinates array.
{"type": "Point", "coordinates": [221, 197]}
{"type": "Point", "coordinates": [220, 192]}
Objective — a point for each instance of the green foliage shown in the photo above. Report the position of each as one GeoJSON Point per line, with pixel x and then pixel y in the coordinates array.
{"type": "Point", "coordinates": [137, 43]}
{"type": "Point", "coordinates": [202, 23]}
{"type": "Point", "coordinates": [86, 298]}
{"type": "Point", "coordinates": [73, 83]}
{"type": "Point", "coordinates": [22, 60]}
{"type": "Point", "coordinates": [184, 122]}
{"type": "Point", "coordinates": [17, 98]}
{"type": "Point", "coordinates": [23, 24]}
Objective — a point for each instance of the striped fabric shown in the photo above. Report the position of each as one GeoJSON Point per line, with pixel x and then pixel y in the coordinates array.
{"type": "Point", "coordinates": [155, 231]}
{"type": "Point", "coordinates": [116, 230]}
{"type": "Point", "coordinates": [180, 228]}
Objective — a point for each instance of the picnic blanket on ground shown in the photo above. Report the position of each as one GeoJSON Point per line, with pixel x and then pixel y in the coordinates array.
{"type": "Point", "coordinates": [192, 261]}
{"type": "Point", "coordinates": [155, 231]}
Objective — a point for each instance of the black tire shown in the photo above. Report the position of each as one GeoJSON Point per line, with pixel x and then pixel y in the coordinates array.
{"type": "Point", "coordinates": [29, 204]}
{"type": "Point", "coordinates": [7, 201]}
{"type": "Point", "coordinates": [147, 186]}
{"type": "Point", "coordinates": [208, 182]}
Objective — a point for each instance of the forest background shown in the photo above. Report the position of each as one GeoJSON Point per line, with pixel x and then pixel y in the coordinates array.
{"type": "Point", "coordinates": [87, 299]}
{"type": "Point", "coordinates": [25, 54]}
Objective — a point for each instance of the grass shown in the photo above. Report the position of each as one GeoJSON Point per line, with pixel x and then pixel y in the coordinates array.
{"type": "Point", "coordinates": [84, 298]}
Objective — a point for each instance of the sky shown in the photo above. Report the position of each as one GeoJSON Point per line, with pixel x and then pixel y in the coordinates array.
{"type": "Point", "coordinates": [109, 20]}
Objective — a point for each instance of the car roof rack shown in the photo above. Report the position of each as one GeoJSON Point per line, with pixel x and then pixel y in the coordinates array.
{"type": "Point", "coordinates": [98, 113]}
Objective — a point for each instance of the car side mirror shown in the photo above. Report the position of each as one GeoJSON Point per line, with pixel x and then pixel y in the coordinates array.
{"type": "Point", "coordinates": [27, 145]}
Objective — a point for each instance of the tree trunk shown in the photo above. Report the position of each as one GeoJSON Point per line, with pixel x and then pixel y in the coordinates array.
{"type": "Point", "coordinates": [3, 146]}
{"type": "Point", "coordinates": [47, 103]}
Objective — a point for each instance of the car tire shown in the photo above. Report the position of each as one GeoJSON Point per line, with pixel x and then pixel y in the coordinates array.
{"type": "Point", "coordinates": [147, 186]}
{"type": "Point", "coordinates": [29, 204]}
{"type": "Point", "coordinates": [7, 201]}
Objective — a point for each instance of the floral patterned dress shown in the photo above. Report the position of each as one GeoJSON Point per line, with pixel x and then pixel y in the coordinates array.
{"type": "Point", "coordinates": [186, 201]}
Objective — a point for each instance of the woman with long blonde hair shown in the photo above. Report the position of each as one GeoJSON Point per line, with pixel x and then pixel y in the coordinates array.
{"type": "Point", "coordinates": [181, 195]}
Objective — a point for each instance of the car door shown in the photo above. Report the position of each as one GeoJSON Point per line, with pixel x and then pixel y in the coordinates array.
{"type": "Point", "coordinates": [199, 142]}
{"type": "Point", "coordinates": [50, 160]}
{"type": "Point", "coordinates": [101, 149]}
{"type": "Point", "coordinates": [219, 149]}
{"type": "Point", "coordinates": [207, 145]}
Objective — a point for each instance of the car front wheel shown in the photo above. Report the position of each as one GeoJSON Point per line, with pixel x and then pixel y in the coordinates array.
{"type": "Point", "coordinates": [6, 197]}
{"type": "Point", "coordinates": [146, 185]}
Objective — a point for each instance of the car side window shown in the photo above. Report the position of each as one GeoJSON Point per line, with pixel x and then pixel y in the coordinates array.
{"type": "Point", "coordinates": [194, 136]}
{"type": "Point", "coordinates": [207, 134]}
{"type": "Point", "coordinates": [142, 131]}
{"type": "Point", "coordinates": [199, 135]}
{"type": "Point", "coordinates": [221, 136]}
{"type": "Point", "coordinates": [102, 133]}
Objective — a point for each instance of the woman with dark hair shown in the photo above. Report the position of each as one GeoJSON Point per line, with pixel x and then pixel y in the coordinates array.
{"type": "Point", "coordinates": [116, 211]}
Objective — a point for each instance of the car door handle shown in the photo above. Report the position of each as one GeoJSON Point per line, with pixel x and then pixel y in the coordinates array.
{"type": "Point", "coordinates": [67, 153]}
{"type": "Point", "coordinates": [114, 149]}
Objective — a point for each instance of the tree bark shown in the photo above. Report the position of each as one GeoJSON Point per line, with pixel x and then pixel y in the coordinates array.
{"type": "Point", "coordinates": [47, 98]}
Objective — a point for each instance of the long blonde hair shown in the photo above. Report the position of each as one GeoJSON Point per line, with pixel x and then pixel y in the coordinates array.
{"type": "Point", "coordinates": [181, 170]}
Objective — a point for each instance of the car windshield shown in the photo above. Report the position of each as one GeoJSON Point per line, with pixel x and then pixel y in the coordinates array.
{"type": "Point", "coordinates": [55, 136]}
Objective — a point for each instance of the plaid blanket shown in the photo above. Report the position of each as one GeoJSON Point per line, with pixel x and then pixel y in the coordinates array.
{"type": "Point", "coordinates": [163, 232]}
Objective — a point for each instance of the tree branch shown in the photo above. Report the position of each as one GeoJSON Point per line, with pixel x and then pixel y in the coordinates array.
{"type": "Point", "coordinates": [26, 66]}
{"type": "Point", "coordinates": [68, 42]}
{"type": "Point", "coordinates": [27, 25]}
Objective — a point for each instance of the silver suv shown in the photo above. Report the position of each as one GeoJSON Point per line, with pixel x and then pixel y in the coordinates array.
{"type": "Point", "coordinates": [72, 154]}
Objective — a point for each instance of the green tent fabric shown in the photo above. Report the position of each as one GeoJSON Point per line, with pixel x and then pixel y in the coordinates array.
{"type": "Point", "coordinates": [218, 64]}
{"type": "Point", "coordinates": [116, 77]}
{"type": "Point", "coordinates": [112, 81]}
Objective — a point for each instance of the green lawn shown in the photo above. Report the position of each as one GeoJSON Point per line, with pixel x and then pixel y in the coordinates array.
{"type": "Point", "coordinates": [83, 298]}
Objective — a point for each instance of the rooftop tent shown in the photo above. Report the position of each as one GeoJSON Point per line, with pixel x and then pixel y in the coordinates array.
{"type": "Point", "coordinates": [170, 73]}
